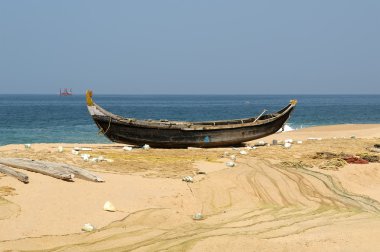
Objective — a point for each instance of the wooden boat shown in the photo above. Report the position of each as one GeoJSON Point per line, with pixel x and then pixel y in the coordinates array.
{"type": "Point", "coordinates": [177, 134]}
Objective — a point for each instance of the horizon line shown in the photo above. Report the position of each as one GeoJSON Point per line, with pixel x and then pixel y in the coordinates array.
{"type": "Point", "coordinates": [182, 94]}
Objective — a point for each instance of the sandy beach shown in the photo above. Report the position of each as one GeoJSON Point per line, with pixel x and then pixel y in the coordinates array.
{"type": "Point", "coordinates": [274, 199]}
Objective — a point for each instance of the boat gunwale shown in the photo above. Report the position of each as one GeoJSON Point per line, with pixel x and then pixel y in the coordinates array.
{"type": "Point", "coordinates": [188, 126]}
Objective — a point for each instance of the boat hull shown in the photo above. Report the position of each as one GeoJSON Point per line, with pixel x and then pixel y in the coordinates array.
{"type": "Point", "coordinates": [123, 132]}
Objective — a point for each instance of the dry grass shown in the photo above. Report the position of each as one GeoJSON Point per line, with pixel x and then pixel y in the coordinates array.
{"type": "Point", "coordinates": [175, 163]}
{"type": "Point", "coordinates": [168, 163]}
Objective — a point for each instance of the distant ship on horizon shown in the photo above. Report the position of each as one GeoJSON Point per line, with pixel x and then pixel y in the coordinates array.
{"type": "Point", "coordinates": [65, 92]}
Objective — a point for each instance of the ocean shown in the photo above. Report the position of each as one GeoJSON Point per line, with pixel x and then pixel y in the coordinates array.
{"type": "Point", "coordinates": [51, 118]}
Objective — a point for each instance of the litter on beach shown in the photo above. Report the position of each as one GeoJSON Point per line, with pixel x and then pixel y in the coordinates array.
{"type": "Point", "coordinates": [315, 138]}
{"type": "Point", "coordinates": [188, 179]}
{"type": "Point", "coordinates": [85, 157]}
{"type": "Point", "coordinates": [230, 164]}
{"type": "Point", "coordinates": [198, 216]}
{"type": "Point", "coordinates": [299, 142]}
{"type": "Point", "coordinates": [82, 149]}
{"type": "Point", "coordinates": [287, 145]}
{"type": "Point", "coordinates": [74, 152]}
{"type": "Point", "coordinates": [233, 157]}
{"type": "Point", "coordinates": [27, 146]}
{"type": "Point", "coordinates": [243, 152]}
{"type": "Point", "coordinates": [146, 147]}
{"type": "Point", "coordinates": [60, 149]}
{"type": "Point", "coordinates": [108, 206]}
{"type": "Point", "coordinates": [261, 143]}
{"type": "Point", "coordinates": [127, 148]}
{"type": "Point", "coordinates": [374, 149]}
{"type": "Point", "coordinates": [88, 227]}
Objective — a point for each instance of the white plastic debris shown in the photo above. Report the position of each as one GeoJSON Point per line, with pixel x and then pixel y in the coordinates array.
{"type": "Point", "coordinates": [82, 149]}
{"type": "Point", "coordinates": [194, 148]}
{"type": "Point", "coordinates": [235, 148]}
{"type": "Point", "coordinates": [60, 149]}
{"type": "Point", "coordinates": [94, 160]}
{"type": "Point", "coordinates": [88, 227]}
{"type": "Point", "coordinates": [233, 157]}
{"type": "Point", "coordinates": [146, 147]}
{"type": "Point", "coordinates": [287, 145]}
{"type": "Point", "coordinates": [260, 143]}
{"type": "Point", "coordinates": [288, 141]}
{"type": "Point", "coordinates": [230, 164]}
{"type": "Point", "coordinates": [127, 148]}
{"type": "Point", "coordinates": [315, 138]}
{"type": "Point", "coordinates": [85, 157]}
{"type": "Point", "coordinates": [299, 142]}
{"type": "Point", "coordinates": [188, 179]}
{"type": "Point", "coordinates": [198, 216]}
{"type": "Point", "coordinates": [101, 158]}
{"type": "Point", "coordinates": [27, 146]}
{"type": "Point", "coordinates": [108, 206]}
{"type": "Point", "coordinates": [243, 152]}
{"type": "Point", "coordinates": [75, 152]}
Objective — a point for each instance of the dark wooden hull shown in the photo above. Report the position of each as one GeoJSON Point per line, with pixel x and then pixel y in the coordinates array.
{"type": "Point", "coordinates": [122, 132]}
{"type": "Point", "coordinates": [175, 134]}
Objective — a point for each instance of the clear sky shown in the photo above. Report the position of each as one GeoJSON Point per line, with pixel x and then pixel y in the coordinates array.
{"type": "Point", "coordinates": [190, 47]}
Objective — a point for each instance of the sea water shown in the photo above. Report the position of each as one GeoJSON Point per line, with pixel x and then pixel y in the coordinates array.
{"type": "Point", "coordinates": [51, 118]}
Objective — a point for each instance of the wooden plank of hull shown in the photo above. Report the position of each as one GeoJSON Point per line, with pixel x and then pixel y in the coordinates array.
{"type": "Point", "coordinates": [121, 132]}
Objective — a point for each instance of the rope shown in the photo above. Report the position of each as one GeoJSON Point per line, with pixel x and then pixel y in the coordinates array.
{"type": "Point", "coordinates": [101, 129]}
{"type": "Point", "coordinates": [192, 193]}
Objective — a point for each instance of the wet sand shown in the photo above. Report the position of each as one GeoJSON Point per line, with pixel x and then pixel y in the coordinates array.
{"type": "Point", "coordinates": [261, 204]}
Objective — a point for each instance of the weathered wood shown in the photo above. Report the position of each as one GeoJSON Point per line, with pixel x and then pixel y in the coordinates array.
{"type": "Point", "coordinates": [58, 168]}
{"type": "Point", "coordinates": [179, 134]}
{"type": "Point", "coordinates": [77, 171]}
{"type": "Point", "coordinates": [37, 166]}
{"type": "Point", "coordinates": [19, 175]}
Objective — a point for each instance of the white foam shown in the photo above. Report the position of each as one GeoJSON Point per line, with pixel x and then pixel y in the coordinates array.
{"type": "Point", "coordinates": [286, 128]}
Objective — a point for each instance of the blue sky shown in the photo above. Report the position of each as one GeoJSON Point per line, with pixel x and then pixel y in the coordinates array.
{"type": "Point", "coordinates": [190, 47]}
